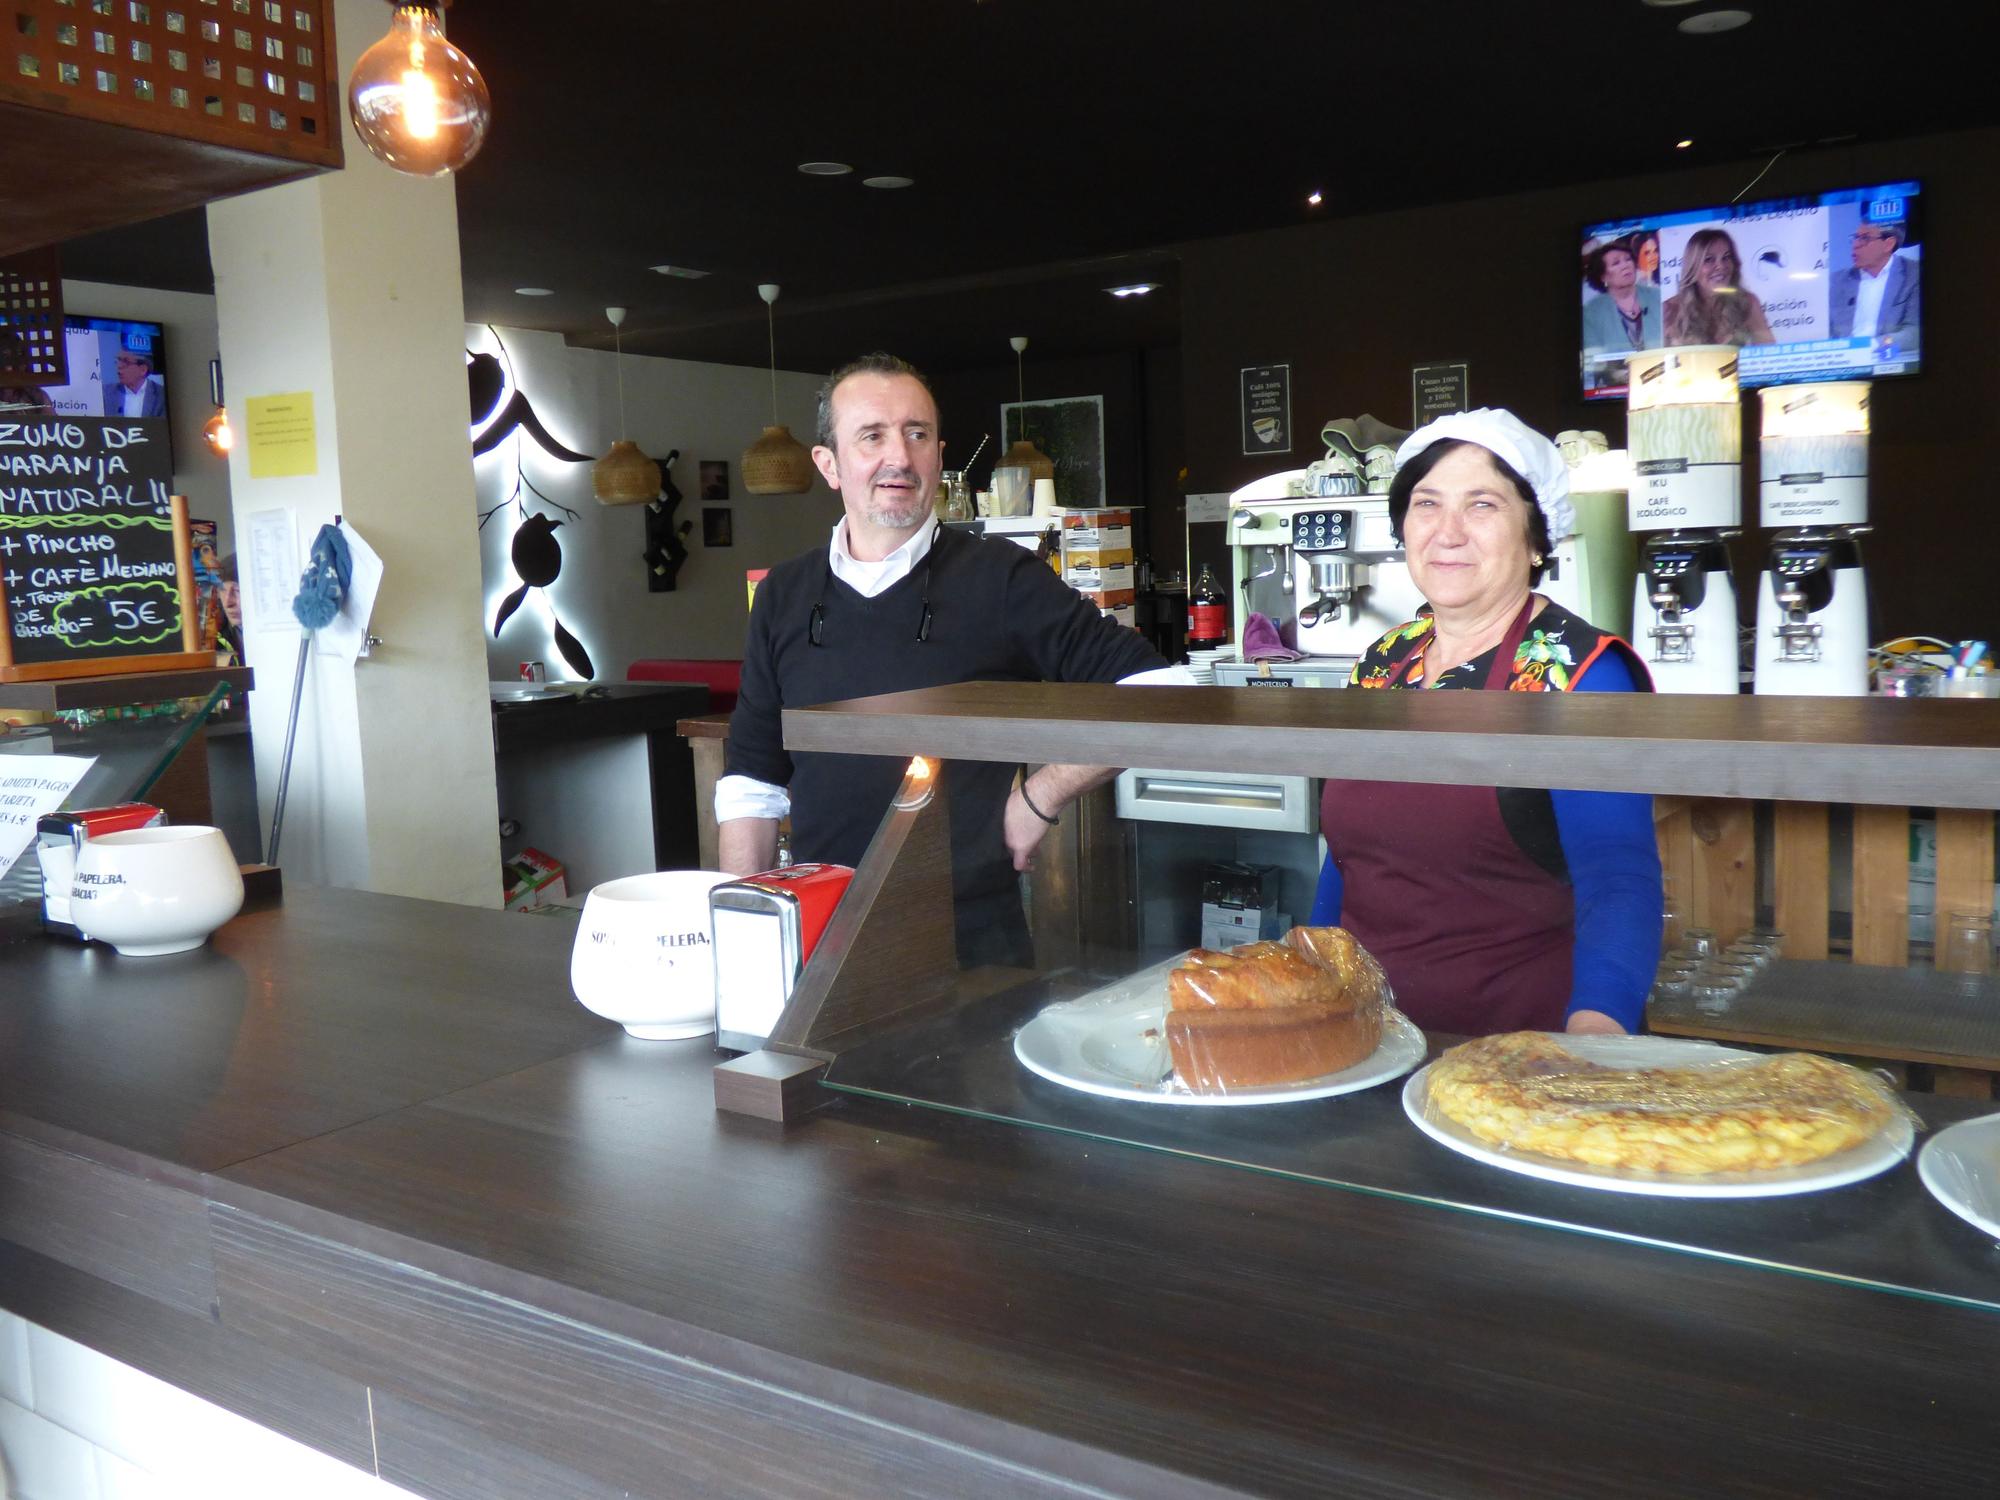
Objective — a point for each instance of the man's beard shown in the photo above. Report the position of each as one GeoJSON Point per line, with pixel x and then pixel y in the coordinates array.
{"type": "Point", "coordinates": [891, 516]}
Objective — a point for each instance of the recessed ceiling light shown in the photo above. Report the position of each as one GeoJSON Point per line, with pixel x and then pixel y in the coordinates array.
{"type": "Point", "coordinates": [1666, 4]}
{"type": "Point", "coordinates": [1709, 22]}
{"type": "Point", "coordinates": [534, 291]}
{"type": "Point", "coordinates": [825, 168]}
{"type": "Point", "coordinates": [1136, 289]}
{"type": "Point", "coordinates": [686, 273]}
{"type": "Point", "coordinates": [1314, 198]}
{"type": "Point", "coordinates": [888, 182]}
{"type": "Point", "coordinates": [1682, 145]}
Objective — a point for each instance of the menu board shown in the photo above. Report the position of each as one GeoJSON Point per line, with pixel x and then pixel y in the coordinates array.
{"type": "Point", "coordinates": [93, 549]}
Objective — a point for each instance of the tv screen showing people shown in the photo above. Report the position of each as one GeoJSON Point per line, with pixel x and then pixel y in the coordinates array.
{"type": "Point", "coordinates": [1826, 287]}
{"type": "Point", "coordinates": [116, 369]}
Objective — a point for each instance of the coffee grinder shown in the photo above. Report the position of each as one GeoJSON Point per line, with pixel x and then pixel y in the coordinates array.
{"type": "Point", "coordinates": [1812, 603]}
{"type": "Point", "coordinates": [1686, 442]}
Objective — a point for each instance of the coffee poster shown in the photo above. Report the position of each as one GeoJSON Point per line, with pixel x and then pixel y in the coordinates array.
{"type": "Point", "coordinates": [1267, 409]}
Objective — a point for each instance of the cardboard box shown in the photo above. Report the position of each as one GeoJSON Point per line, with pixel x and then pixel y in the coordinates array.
{"type": "Point", "coordinates": [532, 878]}
{"type": "Point", "coordinates": [1123, 614]}
{"type": "Point", "coordinates": [1112, 549]}
{"type": "Point", "coordinates": [1084, 523]}
{"type": "Point", "coordinates": [1118, 579]}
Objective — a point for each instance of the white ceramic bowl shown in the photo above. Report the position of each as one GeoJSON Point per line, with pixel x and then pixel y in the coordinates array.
{"type": "Point", "coordinates": [643, 955]}
{"type": "Point", "coordinates": [155, 890]}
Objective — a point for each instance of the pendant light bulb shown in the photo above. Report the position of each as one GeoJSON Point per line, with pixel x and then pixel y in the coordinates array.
{"type": "Point", "coordinates": [1023, 454]}
{"type": "Point", "coordinates": [417, 102]}
{"type": "Point", "coordinates": [624, 476]}
{"type": "Point", "coordinates": [777, 463]}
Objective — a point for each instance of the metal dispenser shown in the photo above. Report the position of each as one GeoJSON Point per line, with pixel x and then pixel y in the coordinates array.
{"type": "Point", "coordinates": [1812, 610]}
{"type": "Point", "coordinates": [1686, 443]}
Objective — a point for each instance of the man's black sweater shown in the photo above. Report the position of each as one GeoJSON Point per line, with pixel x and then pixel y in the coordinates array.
{"type": "Point", "coordinates": [998, 614]}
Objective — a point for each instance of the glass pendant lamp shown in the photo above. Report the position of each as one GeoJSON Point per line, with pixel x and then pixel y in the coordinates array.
{"type": "Point", "coordinates": [417, 102]}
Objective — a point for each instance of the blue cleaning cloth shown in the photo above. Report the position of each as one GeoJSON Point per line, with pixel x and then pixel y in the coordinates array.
{"type": "Point", "coordinates": [329, 571]}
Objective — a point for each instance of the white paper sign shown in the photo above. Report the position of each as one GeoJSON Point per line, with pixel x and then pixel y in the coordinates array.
{"type": "Point", "coordinates": [269, 570]}
{"type": "Point", "coordinates": [345, 635]}
{"type": "Point", "coordinates": [28, 789]}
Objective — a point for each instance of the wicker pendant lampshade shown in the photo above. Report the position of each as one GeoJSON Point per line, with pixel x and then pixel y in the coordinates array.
{"type": "Point", "coordinates": [624, 476]}
{"type": "Point", "coordinates": [1024, 454]}
{"type": "Point", "coordinates": [777, 463]}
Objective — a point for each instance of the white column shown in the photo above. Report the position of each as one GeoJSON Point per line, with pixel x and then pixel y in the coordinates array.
{"type": "Point", "coordinates": [347, 286]}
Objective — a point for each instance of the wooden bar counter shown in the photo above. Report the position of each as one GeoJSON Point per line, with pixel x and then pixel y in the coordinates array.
{"type": "Point", "coordinates": [363, 1171]}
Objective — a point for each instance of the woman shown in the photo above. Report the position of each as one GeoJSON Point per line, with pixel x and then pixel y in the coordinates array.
{"type": "Point", "coordinates": [1494, 909]}
{"type": "Point", "coordinates": [1627, 313]}
{"type": "Point", "coordinates": [1712, 307]}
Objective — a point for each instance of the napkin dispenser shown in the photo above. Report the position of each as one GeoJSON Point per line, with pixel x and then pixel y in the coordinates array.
{"type": "Point", "coordinates": [60, 835]}
{"type": "Point", "coordinates": [765, 927]}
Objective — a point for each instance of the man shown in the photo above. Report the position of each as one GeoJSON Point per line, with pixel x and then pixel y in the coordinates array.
{"type": "Point", "coordinates": [1878, 295]}
{"type": "Point", "coordinates": [134, 393]}
{"type": "Point", "coordinates": [897, 601]}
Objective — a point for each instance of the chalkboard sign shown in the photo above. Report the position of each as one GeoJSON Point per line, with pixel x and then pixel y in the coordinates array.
{"type": "Point", "coordinates": [94, 550]}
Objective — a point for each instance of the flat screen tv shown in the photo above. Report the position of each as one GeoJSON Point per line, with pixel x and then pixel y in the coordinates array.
{"type": "Point", "coordinates": [117, 368]}
{"type": "Point", "coordinates": [1823, 287]}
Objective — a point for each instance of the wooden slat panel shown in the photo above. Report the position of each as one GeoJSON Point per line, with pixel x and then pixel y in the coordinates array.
{"type": "Point", "coordinates": [1964, 862]}
{"type": "Point", "coordinates": [1882, 885]}
{"type": "Point", "coordinates": [1725, 859]}
{"type": "Point", "coordinates": [1801, 877]}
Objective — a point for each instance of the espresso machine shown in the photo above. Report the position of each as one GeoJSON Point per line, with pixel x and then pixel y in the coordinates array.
{"type": "Point", "coordinates": [1686, 445]}
{"type": "Point", "coordinates": [1812, 605]}
{"type": "Point", "coordinates": [1324, 569]}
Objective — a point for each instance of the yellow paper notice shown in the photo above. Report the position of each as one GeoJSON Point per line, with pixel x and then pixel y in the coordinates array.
{"type": "Point", "coordinates": [282, 439]}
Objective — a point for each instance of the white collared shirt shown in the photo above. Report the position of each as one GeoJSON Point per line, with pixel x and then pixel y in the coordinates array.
{"type": "Point", "coordinates": [1868, 300]}
{"type": "Point", "coordinates": [135, 400]}
{"type": "Point", "coordinates": [746, 796]}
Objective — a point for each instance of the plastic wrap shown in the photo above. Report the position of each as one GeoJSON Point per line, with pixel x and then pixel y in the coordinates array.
{"type": "Point", "coordinates": [1304, 1018]}
{"type": "Point", "coordinates": [1647, 1106]}
{"type": "Point", "coordinates": [1274, 1013]}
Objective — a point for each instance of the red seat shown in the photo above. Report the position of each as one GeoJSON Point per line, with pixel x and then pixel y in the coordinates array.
{"type": "Point", "coordinates": [724, 679]}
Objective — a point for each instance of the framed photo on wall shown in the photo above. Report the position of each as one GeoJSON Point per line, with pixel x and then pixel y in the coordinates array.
{"type": "Point", "coordinates": [1070, 430]}
{"type": "Point", "coordinates": [714, 479]}
{"type": "Point", "coordinates": [718, 526]}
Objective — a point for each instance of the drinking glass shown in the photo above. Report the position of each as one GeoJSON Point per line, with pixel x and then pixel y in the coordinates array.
{"type": "Point", "coordinates": [1712, 997]}
{"type": "Point", "coordinates": [1698, 943]}
{"type": "Point", "coordinates": [1968, 944]}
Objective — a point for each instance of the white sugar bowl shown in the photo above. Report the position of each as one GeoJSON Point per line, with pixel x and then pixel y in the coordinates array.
{"type": "Point", "coordinates": [148, 891]}
{"type": "Point", "coordinates": [643, 955]}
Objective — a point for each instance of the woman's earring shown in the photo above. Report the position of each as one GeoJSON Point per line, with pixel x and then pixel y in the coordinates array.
{"type": "Point", "coordinates": [1538, 559]}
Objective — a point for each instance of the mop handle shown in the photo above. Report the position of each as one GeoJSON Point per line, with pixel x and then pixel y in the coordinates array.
{"type": "Point", "coordinates": [291, 735]}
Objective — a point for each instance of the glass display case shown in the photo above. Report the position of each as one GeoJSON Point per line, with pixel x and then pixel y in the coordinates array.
{"type": "Point", "coordinates": [882, 1010]}
{"type": "Point", "coordinates": [129, 754]}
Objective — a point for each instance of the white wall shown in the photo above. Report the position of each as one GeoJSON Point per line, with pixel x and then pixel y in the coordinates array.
{"type": "Point", "coordinates": [708, 412]}
{"type": "Point", "coordinates": [76, 1425]}
{"type": "Point", "coordinates": [188, 319]}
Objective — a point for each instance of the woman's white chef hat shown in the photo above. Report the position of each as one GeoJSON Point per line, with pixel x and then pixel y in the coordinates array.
{"type": "Point", "coordinates": [1533, 457]}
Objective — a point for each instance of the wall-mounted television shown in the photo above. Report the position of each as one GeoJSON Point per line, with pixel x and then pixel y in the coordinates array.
{"type": "Point", "coordinates": [1822, 287]}
{"type": "Point", "coordinates": [117, 368]}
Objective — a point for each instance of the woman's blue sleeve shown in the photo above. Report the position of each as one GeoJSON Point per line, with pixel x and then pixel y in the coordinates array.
{"type": "Point", "coordinates": [1614, 870]}
{"type": "Point", "coordinates": [1326, 900]}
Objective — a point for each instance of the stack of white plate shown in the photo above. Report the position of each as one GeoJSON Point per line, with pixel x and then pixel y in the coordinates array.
{"type": "Point", "coordinates": [1201, 664]}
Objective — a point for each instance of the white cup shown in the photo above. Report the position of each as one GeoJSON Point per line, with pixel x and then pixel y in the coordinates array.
{"type": "Point", "coordinates": [148, 891]}
{"type": "Point", "coordinates": [1045, 497]}
{"type": "Point", "coordinates": [644, 956]}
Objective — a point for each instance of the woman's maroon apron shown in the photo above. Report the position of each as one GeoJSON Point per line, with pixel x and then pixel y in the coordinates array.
{"type": "Point", "coordinates": [1475, 937]}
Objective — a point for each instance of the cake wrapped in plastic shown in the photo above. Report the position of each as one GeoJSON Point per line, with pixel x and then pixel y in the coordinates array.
{"type": "Point", "coordinates": [1740, 1112]}
{"type": "Point", "coordinates": [1274, 1013]}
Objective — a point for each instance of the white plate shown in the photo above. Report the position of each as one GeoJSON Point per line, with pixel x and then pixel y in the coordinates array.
{"type": "Point", "coordinates": [1887, 1147]}
{"type": "Point", "coordinates": [1098, 1045]}
{"type": "Point", "coordinates": [1961, 1167]}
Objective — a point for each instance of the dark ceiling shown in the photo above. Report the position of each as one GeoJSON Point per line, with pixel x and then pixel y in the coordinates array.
{"type": "Point", "coordinates": [1059, 145]}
